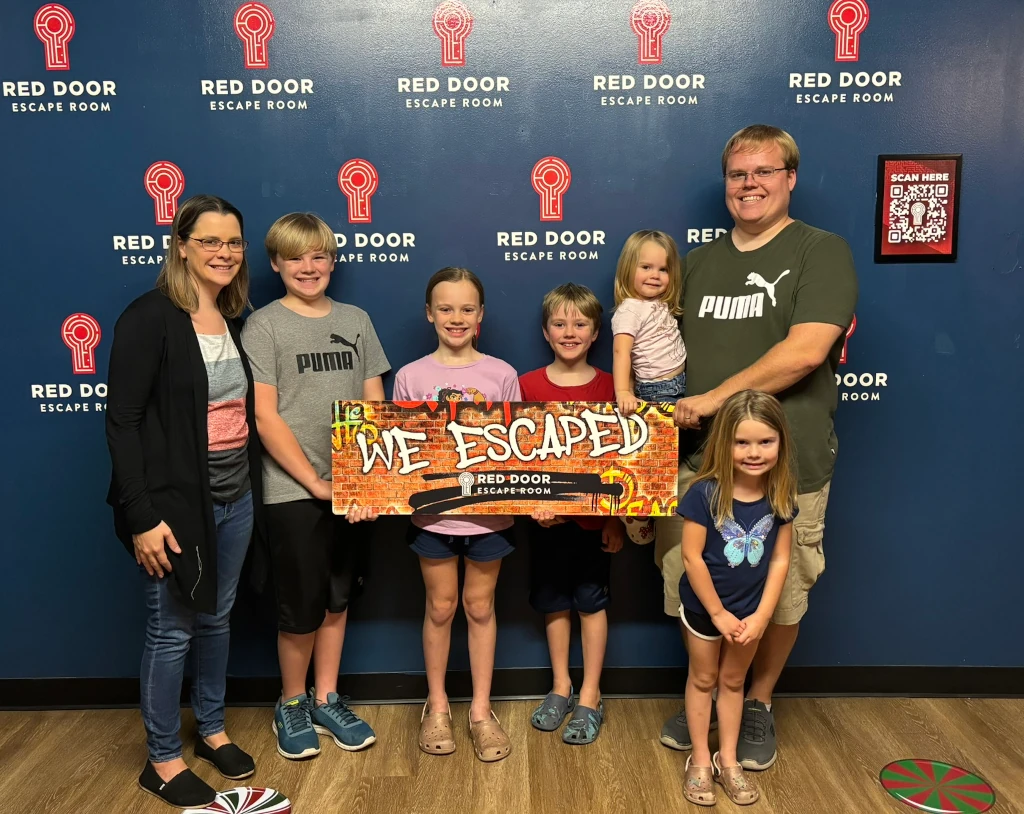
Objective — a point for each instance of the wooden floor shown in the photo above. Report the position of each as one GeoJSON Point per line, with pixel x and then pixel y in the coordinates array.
{"type": "Point", "coordinates": [831, 751]}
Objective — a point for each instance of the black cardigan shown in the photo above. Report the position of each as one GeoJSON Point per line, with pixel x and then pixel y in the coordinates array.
{"type": "Point", "coordinates": [157, 435]}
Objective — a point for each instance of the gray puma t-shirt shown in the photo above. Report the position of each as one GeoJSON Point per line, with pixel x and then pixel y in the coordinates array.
{"type": "Point", "coordinates": [313, 362]}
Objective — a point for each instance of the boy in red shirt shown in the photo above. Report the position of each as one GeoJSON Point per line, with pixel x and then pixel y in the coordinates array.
{"type": "Point", "coordinates": [570, 560]}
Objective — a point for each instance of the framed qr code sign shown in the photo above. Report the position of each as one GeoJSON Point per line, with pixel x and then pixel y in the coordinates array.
{"type": "Point", "coordinates": [918, 211]}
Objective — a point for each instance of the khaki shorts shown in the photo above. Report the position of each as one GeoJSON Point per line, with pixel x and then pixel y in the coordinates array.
{"type": "Point", "coordinates": [806, 563]}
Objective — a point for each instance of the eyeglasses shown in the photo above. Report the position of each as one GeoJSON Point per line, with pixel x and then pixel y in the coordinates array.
{"type": "Point", "coordinates": [737, 177]}
{"type": "Point", "coordinates": [212, 244]}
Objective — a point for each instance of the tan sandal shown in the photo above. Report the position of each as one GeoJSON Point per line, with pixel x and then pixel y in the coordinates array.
{"type": "Point", "coordinates": [436, 735]}
{"type": "Point", "coordinates": [737, 784]}
{"type": "Point", "coordinates": [489, 740]}
{"type": "Point", "coordinates": [699, 785]}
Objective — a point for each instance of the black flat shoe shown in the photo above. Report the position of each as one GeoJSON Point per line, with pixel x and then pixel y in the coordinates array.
{"type": "Point", "coordinates": [184, 790]}
{"type": "Point", "coordinates": [228, 759]}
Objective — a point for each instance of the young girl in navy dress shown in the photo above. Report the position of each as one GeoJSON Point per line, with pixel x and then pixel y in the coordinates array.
{"type": "Point", "coordinates": [737, 532]}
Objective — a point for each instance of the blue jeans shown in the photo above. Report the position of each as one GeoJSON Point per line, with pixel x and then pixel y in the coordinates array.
{"type": "Point", "coordinates": [173, 630]}
{"type": "Point", "coordinates": [662, 390]}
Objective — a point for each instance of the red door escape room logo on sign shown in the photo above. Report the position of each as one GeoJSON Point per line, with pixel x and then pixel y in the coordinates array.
{"type": "Point", "coordinates": [55, 26]}
{"type": "Point", "coordinates": [858, 386]}
{"type": "Point", "coordinates": [650, 21]}
{"type": "Point", "coordinates": [81, 333]}
{"type": "Point", "coordinates": [164, 182]}
{"type": "Point", "coordinates": [254, 25]}
{"type": "Point", "coordinates": [358, 179]}
{"type": "Point", "coordinates": [551, 178]}
{"type": "Point", "coordinates": [452, 24]}
{"type": "Point", "coordinates": [462, 457]}
{"type": "Point", "coordinates": [848, 19]}
{"type": "Point", "coordinates": [846, 339]}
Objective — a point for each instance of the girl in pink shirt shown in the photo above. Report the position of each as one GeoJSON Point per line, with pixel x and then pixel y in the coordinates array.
{"type": "Point", "coordinates": [457, 371]}
{"type": "Point", "coordinates": [647, 347]}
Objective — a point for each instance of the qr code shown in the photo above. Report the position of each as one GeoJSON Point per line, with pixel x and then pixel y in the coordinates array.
{"type": "Point", "coordinates": [917, 213]}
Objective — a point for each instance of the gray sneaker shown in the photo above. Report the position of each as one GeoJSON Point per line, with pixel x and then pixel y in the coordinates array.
{"type": "Point", "coordinates": [756, 749]}
{"type": "Point", "coordinates": [675, 734]}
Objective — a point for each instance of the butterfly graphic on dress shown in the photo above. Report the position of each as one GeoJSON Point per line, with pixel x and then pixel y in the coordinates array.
{"type": "Point", "coordinates": [741, 544]}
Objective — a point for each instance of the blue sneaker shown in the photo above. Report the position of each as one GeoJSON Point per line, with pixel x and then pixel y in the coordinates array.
{"type": "Point", "coordinates": [296, 738]}
{"type": "Point", "coordinates": [335, 718]}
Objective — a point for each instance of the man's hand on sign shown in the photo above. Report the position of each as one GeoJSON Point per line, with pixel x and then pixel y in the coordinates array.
{"type": "Point", "coordinates": [691, 410]}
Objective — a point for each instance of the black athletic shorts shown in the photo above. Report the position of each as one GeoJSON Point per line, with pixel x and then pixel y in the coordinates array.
{"type": "Point", "coordinates": [699, 624]}
{"type": "Point", "coordinates": [317, 561]}
{"type": "Point", "coordinates": [568, 569]}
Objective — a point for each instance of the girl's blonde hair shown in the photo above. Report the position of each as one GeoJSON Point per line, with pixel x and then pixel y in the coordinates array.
{"type": "Point", "coordinates": [717, 464]}
{"type": "Point", "coordinates": [176, 281]}
{"type": "Point", "coordinates": [630, 258]}
{"type": "Point", "coordinates": [454, 274]}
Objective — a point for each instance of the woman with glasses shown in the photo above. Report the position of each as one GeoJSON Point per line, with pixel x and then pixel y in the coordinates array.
{"type": "Point", "coordinates": [186, 480]}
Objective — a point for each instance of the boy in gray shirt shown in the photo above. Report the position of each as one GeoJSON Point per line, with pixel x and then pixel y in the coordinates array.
{"type": "Point", "coordinates": [307, 351]}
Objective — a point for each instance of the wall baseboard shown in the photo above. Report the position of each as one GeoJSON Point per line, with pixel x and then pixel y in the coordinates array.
{"type": "Point", "coordinates": [384, 688]}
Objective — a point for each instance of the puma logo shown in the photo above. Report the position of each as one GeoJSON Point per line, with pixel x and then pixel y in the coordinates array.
{"type": "Point", "coordinates": [336, 339]}
{"type": "Point", "coordinates": [756, 279]}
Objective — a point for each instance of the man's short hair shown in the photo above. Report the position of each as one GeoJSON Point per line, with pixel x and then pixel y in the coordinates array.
{"type": "Point", "coordinates": [572, 297]}
{"type": "Point", "coordinates": [756, 136]}
{"type": "Point", "coordinates": [300, 232]}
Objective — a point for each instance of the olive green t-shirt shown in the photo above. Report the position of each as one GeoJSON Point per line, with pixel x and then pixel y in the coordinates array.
{"type": "Point", "coordinates": [738, 305]}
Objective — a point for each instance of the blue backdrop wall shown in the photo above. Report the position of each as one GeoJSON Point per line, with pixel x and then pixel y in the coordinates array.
{"type": "Point", "coordinates": [921, 527]}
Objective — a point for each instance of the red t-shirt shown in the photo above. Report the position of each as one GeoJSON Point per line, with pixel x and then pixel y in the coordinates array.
{"type": "Point", "coordinates": [536, 386]}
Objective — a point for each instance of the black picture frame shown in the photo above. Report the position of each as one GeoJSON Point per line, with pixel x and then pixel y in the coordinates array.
{"type": "Point", "coordinates": [924, 256]}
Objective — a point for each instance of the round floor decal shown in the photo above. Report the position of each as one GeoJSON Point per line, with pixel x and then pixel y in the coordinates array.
{"type": "Point", "coordinates": [247, 800]}
{"type": "Point", "coordinates": [936, 787]}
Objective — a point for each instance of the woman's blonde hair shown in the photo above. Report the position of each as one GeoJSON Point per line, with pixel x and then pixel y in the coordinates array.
{"type": "Point", "coordinates": [630, 258]}
{"type": "Point", "coordinates": [175, 279]}
{"type": "Point", "coordinates": [717, 463]}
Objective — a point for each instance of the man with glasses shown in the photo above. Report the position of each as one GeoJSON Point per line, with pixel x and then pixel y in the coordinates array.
{"type": "Point", "coordinates": [765, 307]}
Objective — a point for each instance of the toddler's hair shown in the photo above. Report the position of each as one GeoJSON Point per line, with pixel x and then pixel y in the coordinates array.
{"type": "Point", "coordinates": [630, 258]}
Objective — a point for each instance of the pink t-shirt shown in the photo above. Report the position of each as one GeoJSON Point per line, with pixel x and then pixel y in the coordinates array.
{"type": "Point", "coordinates": [657, 344]}
{"type": "Point", "coordinates": [487, 379]}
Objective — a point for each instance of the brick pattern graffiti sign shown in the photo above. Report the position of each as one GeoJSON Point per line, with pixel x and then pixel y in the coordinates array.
{"type": "Point", "coordinates": [571, 458]}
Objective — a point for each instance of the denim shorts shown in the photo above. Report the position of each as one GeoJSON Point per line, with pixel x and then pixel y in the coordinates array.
{"type": "Point", "coordinates": [493, 545]}
{"type": "Point", "coordinates": [662, 390]}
